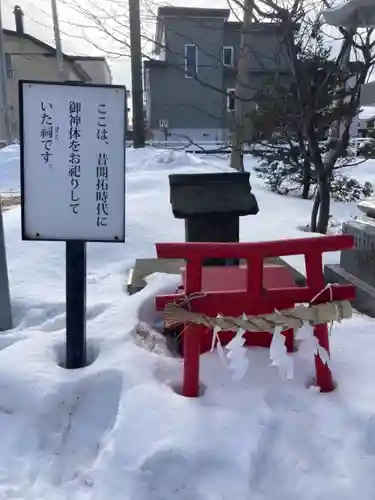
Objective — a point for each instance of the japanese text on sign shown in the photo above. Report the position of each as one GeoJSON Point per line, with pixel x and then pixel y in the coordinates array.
{"type": "Point", "coordinates": [75, 153]}
{"type": "Point", "coordinates": [102, 169]}
{"type": "Point", "coordinates": [46, 131]}
{"type": "Point", "coordinates": [102, 132]}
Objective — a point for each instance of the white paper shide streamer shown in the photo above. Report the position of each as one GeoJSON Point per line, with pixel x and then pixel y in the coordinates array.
{"type": "Point", "coordinates": [234, 357]}
{"type": "Point", "coordinates": [237, 356]}
{"type": "Point", "coordinates": [309, 345]}
{"type": "Point", "coordinates": [279, 355]}
{"type": "Point", "coordinates": [219, 347]}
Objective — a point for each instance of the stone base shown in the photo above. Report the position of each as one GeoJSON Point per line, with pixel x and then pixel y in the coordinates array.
{"type": "Point", "coordinates": [145, 267]}
{"type": "Point", "coordinates": [365, 293]}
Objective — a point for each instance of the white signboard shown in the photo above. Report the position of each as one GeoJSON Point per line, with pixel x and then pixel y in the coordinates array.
{"type": "Point", "coordinates": [72, 161]}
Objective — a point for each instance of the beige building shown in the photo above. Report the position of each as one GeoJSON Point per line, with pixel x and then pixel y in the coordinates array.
{"type": "Point", "coordinates": [27, 58]}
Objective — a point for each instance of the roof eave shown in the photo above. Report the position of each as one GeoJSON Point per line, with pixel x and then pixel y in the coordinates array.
{"type": "Point", "coordinates": [79, 71]}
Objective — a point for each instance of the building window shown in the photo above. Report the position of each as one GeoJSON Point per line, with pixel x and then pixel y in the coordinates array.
{"type": "Point", "coordinates": [228, 56]}
{"type": "Point", "coordinates": [9, 66]}
{"type": "Point", "coordinates": [191, 61]}
{"type": "Point", "coordinates": [231, 99]}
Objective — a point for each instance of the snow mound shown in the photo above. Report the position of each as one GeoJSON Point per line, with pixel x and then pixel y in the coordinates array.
{"type": "Point", "coordinates": [177, 157]}
{"type": "Point", "coordinates": [156, 160]}
{"type": "Point", "coordinates": [10, 169]}
{"type": "Point", "coordinates": [116, 429]}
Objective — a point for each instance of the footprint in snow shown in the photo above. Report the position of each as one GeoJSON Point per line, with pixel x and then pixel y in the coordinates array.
{"type": "Point", "coordinates": [73, 425]}
{"type": "Point", "coordinates": [166, 474]}
{"type": "Point", "coordinates": [369, 436]}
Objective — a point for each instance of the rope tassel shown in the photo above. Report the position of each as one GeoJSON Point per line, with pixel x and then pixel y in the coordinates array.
{"type": "Point", "coordinates": [175, 314]}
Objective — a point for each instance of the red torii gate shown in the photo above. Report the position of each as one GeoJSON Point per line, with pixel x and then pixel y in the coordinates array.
{"type": "Point", "coordinates": [255, 299]}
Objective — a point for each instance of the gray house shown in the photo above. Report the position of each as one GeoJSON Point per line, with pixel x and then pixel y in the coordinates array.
{"type": "Point", "coordinates": [368, 94]}
{"type": "Point", "coordinates": [189, 85]}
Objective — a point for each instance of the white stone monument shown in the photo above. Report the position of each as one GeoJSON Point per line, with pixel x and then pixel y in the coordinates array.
{"type": "Point", "coordinates": [357, 266]}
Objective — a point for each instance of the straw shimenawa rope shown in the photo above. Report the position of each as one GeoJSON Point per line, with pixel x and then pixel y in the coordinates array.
{"type": "Point", "coordinates": [175, 314]}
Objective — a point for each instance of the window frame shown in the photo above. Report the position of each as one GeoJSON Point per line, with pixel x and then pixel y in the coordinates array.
{"type": "Point", "coordinates": [228, 47]}
{"type": "Point", "coordinates": [187, 75]}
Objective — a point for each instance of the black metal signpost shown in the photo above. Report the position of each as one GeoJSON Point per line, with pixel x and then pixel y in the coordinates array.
{"type": "Point", "coordinates": [75, 304]}
{"type": "Point", "coordinates": [43, 142]}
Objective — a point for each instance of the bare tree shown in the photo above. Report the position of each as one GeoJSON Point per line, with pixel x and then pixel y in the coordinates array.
{"type": "Point", "coordinates": [110, 20]}
{"type": "Point", "coordinates": [335, 97]}
{"type": "Point", "coordinates": [242, 126]}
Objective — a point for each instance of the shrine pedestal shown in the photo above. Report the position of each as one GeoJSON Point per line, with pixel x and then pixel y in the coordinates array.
{"type": "Point", "coordinates": [211, 205]}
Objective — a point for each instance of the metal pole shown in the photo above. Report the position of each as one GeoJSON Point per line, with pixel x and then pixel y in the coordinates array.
{"type": "Point", "coordinates": [4, 88]}
{"type": "Point", "coordinates": [75, 259]}
{"type": "Point", "coordinates": [6, 322]}
{"type": "Point", "coordinates": [59, 53]}
{"type": "Point", "coordinates": [136, 66]}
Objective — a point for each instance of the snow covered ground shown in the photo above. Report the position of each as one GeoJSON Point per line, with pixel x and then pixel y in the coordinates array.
{"type": "Point", "coordinates": [117, 430]}
{"type": "Point", "coordinates": [9, 170]}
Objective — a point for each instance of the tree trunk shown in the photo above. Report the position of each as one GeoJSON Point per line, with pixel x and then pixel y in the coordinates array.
{"type": "Point", "coordinates": [324, 208]}
{"type": "Point", "coordinates": [321, 207]}
{"type": "Point", "coordinates": [136, 71]}
{"type": "Point", "coordinates": [306, 181]}
{"type": "Point", "coordinates": [314, 212]}
{"type": "Point", "coordinates": [243, 128]}
{"type": "Point", "coordinates": [236, 158]}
